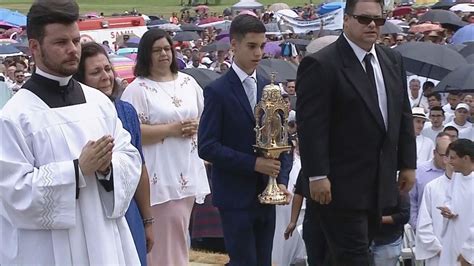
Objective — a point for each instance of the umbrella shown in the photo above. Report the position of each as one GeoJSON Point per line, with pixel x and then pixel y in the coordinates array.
{"type": "Point", "coordinates": [464, 34]}
{"type": "Point", "coordinates": [156, 22]}
{"type": "Point", "coordinates": [470, 59]}
{"type": "Point", "coordinates": [202, 76]}
{"type": "Point", "coordinates": [123, 66]}
{"type": "Point", "coordinates": [299, 43]}
{"type": "Point", "coordinates": [390, 28]}
{"type": "Point", "coordinates": [278, 6]}
{"type": "Point", "coordinates": [209, 20]}
{"type": "Point", "coordinates": [12, 18]}
{"type": "Point", "coordinates": [326, 8]}
{"type": "Point", "coordinates": [429, 60]}
{"type": "Point", "coordinates": [24, 48]}
{"type": "Point", "coordinates": [183, 36]}
{"type": "Point", "coordinates": [169, 27]}
{"type": "Point", "coordinates": [216, 46]}
{"type": "Point", "coordinates": [286, 70]}
{"type": "Point", "coordinates": [247, 12]}
{"type": "Point", "coordinates": [267, 72]}
{"type": "Point", "coordinates": [466, 8]}
{"type": "Point", "coordinates": [443, 17]}
{"type": "Point", "coordinates": [460, 79]}
{"type": "Point", "coordinates": [402, 10]}
{"type": "Point", "coordinates": [319, 43]}
{"type": "Point", "coordinates": [424, 27]}
{"type": "Point", "coordinates": [467, 50]}
{"type": "Point", "coordinates": [127, 50]}
{"type": "Point", "coordinates": [8, 49]}
{"type": "Point", "coordinates": [190, 27]}
{"type": "Point", "coordinates": [201, 8]}
{"type": "Point", "coordinates": [272, 48]}
{"type": "Point", "coordinates": [442, 5]}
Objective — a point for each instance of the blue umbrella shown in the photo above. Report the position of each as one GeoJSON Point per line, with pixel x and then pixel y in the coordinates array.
{"type": "Point", "coordinates": [329, 7]}
{"type": "Point", "coordinates": [125, 51]}
{"type": "Point", "coordinates": [8, 49]}
{"type": "Point", "coordinates": [464, 34]}
{"type": "Point", "coordinates": [13, 18]}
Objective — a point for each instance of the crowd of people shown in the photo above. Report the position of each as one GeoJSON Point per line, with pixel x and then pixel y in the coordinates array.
{"type": "Point", "coordinates": [95, 171]}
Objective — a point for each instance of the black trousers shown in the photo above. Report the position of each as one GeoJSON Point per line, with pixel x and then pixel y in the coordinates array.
{"type": "Point", "coordinates": [316, 245]}
{"type": "Point", "coordinates": [348, 234]}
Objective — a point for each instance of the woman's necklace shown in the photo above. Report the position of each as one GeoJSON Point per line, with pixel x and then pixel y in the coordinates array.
{"type": "Point", "coordinates": [174, 99]}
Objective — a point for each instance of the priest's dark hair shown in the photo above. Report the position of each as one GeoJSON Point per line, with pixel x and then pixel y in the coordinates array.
{"type": "Point", "coordinates": [145, 52]}
{"type": "Point", "coordinates": [350, 5]}
{"type": "Point", "coordinates": [44, 12]}
{"type": "Point", "coordinates": [243, 24]}
{"type": "Point", "coordinates": [463, 147]}
{"type": "Point", "coordinates": [92, 49]}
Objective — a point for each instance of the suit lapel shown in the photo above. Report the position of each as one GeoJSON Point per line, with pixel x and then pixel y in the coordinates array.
{"type": "Point", "coordinates": [261, 83]}
{"type": "Point", "coordinates": [355, 73]}
{"type": "Point", "coordinates": [239, 92]}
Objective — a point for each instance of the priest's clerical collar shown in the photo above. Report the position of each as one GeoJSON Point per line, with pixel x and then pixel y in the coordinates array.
{"type": "Point", "coordinates": [62, 80]}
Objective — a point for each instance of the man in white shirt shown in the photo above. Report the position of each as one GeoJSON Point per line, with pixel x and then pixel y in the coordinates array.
{"type": "Point", "coordinates": [453, 100]}
{"type": "Point", "coordinates": [435, 126]}
{"type": "Point", "coordinates": [414, 95]}
{"type": "Point", "coordinates": [424, 145]}
{"type": "Point", "coordinates": [19, 80]}
{"type": "Point", "coordinates": [460, 120]}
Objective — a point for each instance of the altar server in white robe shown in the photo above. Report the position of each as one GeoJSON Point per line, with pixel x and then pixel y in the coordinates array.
{"type": "Point", "coordinates": [68, 170]}
{"type": "Point", "coordinates": [458, 238]}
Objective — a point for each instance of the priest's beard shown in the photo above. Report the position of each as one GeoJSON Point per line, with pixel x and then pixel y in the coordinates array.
{"type": "Point", "coordinates": [59, 68]}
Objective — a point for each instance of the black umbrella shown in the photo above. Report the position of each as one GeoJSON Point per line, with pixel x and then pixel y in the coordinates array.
{"type": "Point", "coordinates": [446, 5]}
{"type": "Point", "coordinates": [286, 70]}
{"type": "Point", "coordinates": [429, 60]}
{"type": "Point", "coordinates": [443, 17]}
{"type": "Point", "coordinates": [461, 79]}
{"type": "Point", "coordinates": [203, 76]}
{"type": "Point", "coordinates": [183, 36]}
{"type": "Point", "coordinates": [390, 28]}
{"type": "Point", "coordinates": [190, 27]}
{"type": "Point", "coordinates": [216, 46]}
{"type": "Point", "coordinates": [267, 72]}
{"type": "Point", "coordinates": [467, 50]}
{"type": "Point", "coordinates": [154, 23]}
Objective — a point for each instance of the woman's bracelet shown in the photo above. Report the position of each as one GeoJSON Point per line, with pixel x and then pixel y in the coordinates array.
{"type": "Point", "coordinates": [150, 220]}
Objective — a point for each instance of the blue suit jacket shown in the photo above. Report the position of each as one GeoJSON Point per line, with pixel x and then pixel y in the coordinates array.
{"type": "Point", "coordinates": [225, 138]}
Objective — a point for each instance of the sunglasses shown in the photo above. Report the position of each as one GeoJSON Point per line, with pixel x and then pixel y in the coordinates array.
{"type": "Point", "coordinates": [366, 20]}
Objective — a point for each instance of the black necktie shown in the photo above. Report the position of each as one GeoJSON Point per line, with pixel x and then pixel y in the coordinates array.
{"type": "Point", "coordinates": [370, 74]}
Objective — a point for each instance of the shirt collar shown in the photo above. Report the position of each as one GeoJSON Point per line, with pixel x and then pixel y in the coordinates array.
{"type": "Point", "coordinates": [432, 167]}
{"type": "Point", "coordinates": [62, 80]}
{"type": "Point", "coordinates": [359, 52]}
{"type": "Point", "coordinates": [241, 74]}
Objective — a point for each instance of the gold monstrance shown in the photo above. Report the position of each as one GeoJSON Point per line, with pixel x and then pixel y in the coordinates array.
{"type": "Point", "coordinates": [271, 116]}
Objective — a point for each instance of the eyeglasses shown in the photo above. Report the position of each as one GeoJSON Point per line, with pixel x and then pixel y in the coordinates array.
{"type": "Point", "coordinates": [366, 20]}
{"type": "Point", "coordinates": [441, 154]}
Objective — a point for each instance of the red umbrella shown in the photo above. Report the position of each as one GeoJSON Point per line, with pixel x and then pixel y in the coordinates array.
{"type": "Point", "coordinates": [209, 20]}
{"type": "Point", "coordinates": [425, 27]}
{"type": "Point", "coordinates": [402, 10]}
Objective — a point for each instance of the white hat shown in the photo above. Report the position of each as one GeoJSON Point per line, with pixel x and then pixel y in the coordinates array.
{"type": "Point", "coordinates": [463, 105]}
{"type": "Point", "coordinates": [419, 112]}
{"type": "Point", "coordinates": [206, 60]}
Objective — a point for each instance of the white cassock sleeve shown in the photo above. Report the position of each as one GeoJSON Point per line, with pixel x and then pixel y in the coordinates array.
{"type": "Point", "coordinates": [467, 249]}
{"type": "Point", "coordinates": [34, 198]}
{"type": "Point", "coordinates": [427, 244]}
{"type": "Point", "coordinates": [126, 171]}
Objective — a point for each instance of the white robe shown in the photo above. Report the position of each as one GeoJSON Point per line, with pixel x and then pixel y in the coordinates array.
{"type": "Point", "coordinates": [424, 149]}
{"type": "Point", "coordinates": [41, 221]}
{"type": "Point", "coordinates": [430, 221]}
{"type": "Point", "coordinates": [459, 232]}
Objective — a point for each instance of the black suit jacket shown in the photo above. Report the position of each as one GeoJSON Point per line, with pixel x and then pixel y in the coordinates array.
{"type": "Point", "coordinates": [341, 129]}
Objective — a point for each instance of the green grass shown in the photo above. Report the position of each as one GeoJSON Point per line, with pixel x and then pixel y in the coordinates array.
{"type": "Point", "coordinates": [149, 7]}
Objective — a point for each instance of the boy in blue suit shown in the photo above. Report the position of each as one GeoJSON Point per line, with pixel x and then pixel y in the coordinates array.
{"type": "Point", "coordinates": [226, 135]}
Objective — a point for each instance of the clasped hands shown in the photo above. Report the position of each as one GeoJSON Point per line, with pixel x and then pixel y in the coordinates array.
{"type": "Point", "coordinates": [96, 156]}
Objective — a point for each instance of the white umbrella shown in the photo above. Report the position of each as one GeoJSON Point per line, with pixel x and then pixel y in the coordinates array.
{"type": "Point", "coordinates": [278, 6]}
{"type": "Point", "coordinates": [463, 8]}
{"type": "Point", "coordinates": [319, 43]}
{"type": "Point", "coordinates": [169, 27]}
{"type": "Point", "coordinates": [287, 12]}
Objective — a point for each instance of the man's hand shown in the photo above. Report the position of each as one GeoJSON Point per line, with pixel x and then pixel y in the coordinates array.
{"type": "Point", "coordinates": [406, 180]}
{"type": "Point", "coordinates": [268, 167]}
{"type": "Point", "coordinates": [463, 261]}
{"type": "Point", "coordinates": [96, 155]}
{"type": "Point", "coordinates": [150, 238]}
{"type": "Point", "coordinates": [289, 230]}
{"type": "Point", "coordinates": [321, 190]}
{"type": "Point", "coordinates": [287, 194]}
{"type": "Point", "coordinates": [447, 213]}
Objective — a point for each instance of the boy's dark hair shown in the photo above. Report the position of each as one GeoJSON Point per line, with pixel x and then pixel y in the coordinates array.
{"type": "Point", "coordinates": [428, 84]}
{"type": "Point", "coordinates": [462, 147]}
{"type": "Point", "coordinates": [44, 12]}
{"type": "Point", "coordinates": [350, 5]}
{"type": "Point", "coordinates": [437, 108]}
{"type": "Point", "coordinates": [243, 24]}
{"type": "Point", "coordinates": [145, 50]}
{"type": "Point", "coordinates": [436, 95]}
{"type": "Point", "coordinates": [452, 129]}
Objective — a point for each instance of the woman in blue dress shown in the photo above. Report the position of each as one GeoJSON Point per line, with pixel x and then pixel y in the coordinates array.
{"type": "Point", "coordinates": [95, 70]}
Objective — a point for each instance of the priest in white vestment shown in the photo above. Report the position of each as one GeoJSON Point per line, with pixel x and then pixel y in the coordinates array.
{"type": "Point", "coordinates": [67, 168]}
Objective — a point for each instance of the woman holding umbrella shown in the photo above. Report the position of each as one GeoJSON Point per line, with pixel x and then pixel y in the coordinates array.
{"type": "Point", "coordinates": [169, 104]}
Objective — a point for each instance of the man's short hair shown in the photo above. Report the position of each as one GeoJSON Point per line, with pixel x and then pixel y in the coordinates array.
{"type": "Point", "coordinates": [415, 80]}
{"type": "Point", "coordinates": [243, 24]}
{"type": "Point", "coordinates": [442, 134]}
{"type": "Point", "coordinates": [452, 129]}
{"type": "Point", "coordinates": [350, 5]}
{"type": "Point", "coordinates": [428, 84]}
{"type": "Point", "coordinates": [462, 147]}
{"type": "Point", "coordinates": [44, 12]}
{"type": "Point", "coordinates": [437, 108]}
{"type": "Point", "coordinates": [436, 95]}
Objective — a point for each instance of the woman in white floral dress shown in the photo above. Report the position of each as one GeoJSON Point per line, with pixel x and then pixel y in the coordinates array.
{"type": "Point", "coordinates": [169, 104]}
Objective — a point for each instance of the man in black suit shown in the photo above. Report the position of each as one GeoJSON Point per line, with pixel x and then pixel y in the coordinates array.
{"type": "Point", "coordinates": [355, 129]}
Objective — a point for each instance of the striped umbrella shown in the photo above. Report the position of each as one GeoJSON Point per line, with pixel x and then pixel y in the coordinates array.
{"type": "Point", "coordinates": [123, 67]}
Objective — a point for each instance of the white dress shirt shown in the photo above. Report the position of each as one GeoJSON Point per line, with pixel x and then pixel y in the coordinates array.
{"type": "Point", "coordinates": [250, 89]}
